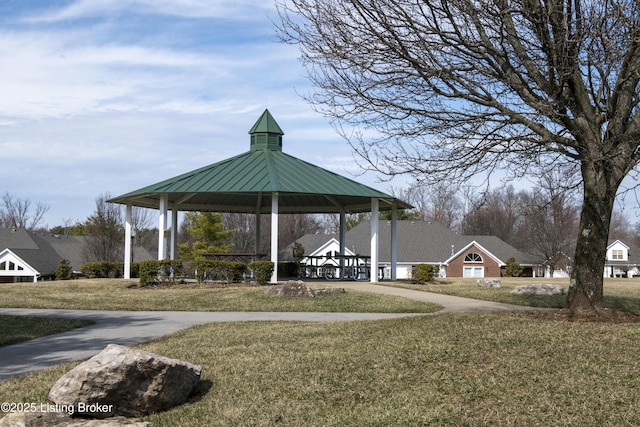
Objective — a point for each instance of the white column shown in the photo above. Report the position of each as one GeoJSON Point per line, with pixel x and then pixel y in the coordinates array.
{"type": "Point", "coordinates": [162, 227]}
{"type": "Point", "coordinates": [343, 234]}
{"type": "Point", "coordinates": [394, 241]}
{"type": "Point", "coordinates": [274, 236]}
{"type": "Point", "coordinates": [174, 233]}
{"type": "Point", "coordinates": [127, 242]}
{"type": "Point", "coordinates": [258, 226]}
{"type": "Point", "coordinates": [343, 231]}
{"type": "Point", "coordinates": [375, 208]}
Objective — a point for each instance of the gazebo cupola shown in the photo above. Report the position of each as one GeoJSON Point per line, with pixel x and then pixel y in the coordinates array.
{"type": "Point", "coordinates": [266, 134]}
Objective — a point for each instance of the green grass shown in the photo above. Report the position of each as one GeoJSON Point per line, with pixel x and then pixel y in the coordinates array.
{"type": "Point", "coordinates": [117, 294]}
{"type": "Point", "coordinates": [461, 370]}
{"type": "Point", "coordinates": [17, 329]}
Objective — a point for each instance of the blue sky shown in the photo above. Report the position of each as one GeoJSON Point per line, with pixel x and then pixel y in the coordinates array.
{"type": "Point", "coordinates": [110, 96]}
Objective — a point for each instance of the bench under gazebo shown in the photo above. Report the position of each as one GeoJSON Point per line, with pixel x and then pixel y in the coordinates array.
{"type": "Point", "coordinates": [264, 180]}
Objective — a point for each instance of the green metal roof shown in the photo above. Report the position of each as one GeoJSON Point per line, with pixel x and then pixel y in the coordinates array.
{"type": "Point", "coordinates": [244, 183]}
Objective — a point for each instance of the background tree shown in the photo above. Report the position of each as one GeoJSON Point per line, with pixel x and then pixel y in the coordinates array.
{"type": "Point", "coordinates": [243, 238]}
{"type": "Point", "coordinates": [496, 213]}
{"type": "Point", "coordinates": [20, 213]}
{"type": "Point", "coordinates": [69, 229]}
{"type": "Point", "coordinates": [104, 232]}
{"type": "Point", "coordinates": [550, 216]}
{"type": "Point", "coordinates": [447, 89]}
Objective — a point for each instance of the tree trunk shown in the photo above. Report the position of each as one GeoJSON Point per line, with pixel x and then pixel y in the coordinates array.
{"type": "Point", "coordinates": [586, 285]}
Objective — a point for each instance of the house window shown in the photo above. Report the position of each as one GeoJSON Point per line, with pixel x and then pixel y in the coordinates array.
{"type": "Point", "coordinates": [617, 254]}
{"type": "Point", "coordinates": [473, 257]}
{"type": "Point", "coordinates": [12, 266]}
{"type": "Point", "coordinates": [3, 265]}
{"type": "Point", "coordinates": [473, 272]}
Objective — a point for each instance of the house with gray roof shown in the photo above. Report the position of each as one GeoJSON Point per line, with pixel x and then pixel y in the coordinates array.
{"type": "Point", "coordinates": [28, 257]}
{"type": "Point", "coordinates": [419, 242]}
{"type": "Point", "coordinates": [622, 260]}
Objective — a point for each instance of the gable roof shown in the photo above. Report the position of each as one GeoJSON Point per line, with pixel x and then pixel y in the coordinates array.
{"type": "Point", "coordinates": [43, 252]}
{"type": "Point", "coordinates": [31, 248]}
{"type": "Point", "coordinates": [612, 242]}
{"type": "Point", "coordinates": [471, 244]}
{"type": "Point", "coordinates": [501, 250]}
{"type": "Point", "coordinates": [244, 183]}
{"type": "Point", "coordinates": [418, 241]}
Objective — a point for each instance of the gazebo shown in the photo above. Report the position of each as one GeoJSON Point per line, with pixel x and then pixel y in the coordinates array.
{"type": "Point", "coordinates": [263, 180]}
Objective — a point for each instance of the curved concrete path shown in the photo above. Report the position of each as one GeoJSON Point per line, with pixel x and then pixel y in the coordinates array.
{"type": "Point", "coordinates": [132, 327]}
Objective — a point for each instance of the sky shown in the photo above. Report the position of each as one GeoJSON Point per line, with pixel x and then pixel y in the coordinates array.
{"type": "Point", "coordinates": [104, 96]}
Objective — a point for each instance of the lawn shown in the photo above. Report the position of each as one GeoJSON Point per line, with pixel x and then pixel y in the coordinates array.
{"type": "Point", "coordinates": [16, 329]}
{"type": "Point", "coordinates": [473, 369]}
{"type": "Point", "coordinates": [466, 369]}
{"type": "Point", "coordinates": [619, 294]}
{"type": "Point", "coordinates": [124, 295]}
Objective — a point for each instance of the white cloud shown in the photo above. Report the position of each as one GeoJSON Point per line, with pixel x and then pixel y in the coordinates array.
{"type": "Point", "coordinates": [96, 98]}
{"type": "Point", "coordinates": [185, 8]}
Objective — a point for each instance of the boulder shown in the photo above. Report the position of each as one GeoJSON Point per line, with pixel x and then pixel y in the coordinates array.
{"type": "Point", "coordinates": [539, 289]}
{"type": "Point", "coordinates": [63, 419]}
{"type": "Point", "coordinates": [489, 283]}
{"type": "Point", "coordinates": [297, 288]}
{"type": "Point", "coordinates": [126, 382]}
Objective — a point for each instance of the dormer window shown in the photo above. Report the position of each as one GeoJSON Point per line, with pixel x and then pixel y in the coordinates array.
{"type": "Point", "coordinates": [617, 254]}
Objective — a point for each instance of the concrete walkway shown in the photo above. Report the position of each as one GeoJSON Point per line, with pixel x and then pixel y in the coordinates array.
{"type": "Point", "coordinates": [133, 327]}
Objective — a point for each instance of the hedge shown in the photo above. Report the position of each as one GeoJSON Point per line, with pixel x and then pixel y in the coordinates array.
{"type": "Point", "coordinates": [226, 271]}
{"type": "Point", "coordinates": [423, 273]}
{"type": "Point", "coordinates": [103, 269]}
{"type": "Point", "coordinates": [262, 271]}
{"type": "Point", "coordinates": [155, 272]}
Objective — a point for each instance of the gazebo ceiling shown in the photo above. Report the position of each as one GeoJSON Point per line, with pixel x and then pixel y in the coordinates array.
{"type": "Point", "coordinates": [245, 183]}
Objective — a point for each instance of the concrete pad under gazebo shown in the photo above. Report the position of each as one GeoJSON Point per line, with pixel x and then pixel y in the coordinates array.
{"type": "Point", "coordinates": [264, 180]}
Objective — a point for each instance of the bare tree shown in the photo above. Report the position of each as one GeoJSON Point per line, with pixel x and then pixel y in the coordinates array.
{"type": "Point", "coordinates": [448, 89]}
{"type": "Point", "coordinates": [19, 213]}
{"type": "Point", "coordinates": [550, 216]}
{"type": "Point", "coordinates": [104, 231]}
{"type": "Point", "coordinates": [438, 203]}
{"type": "Point", "coordinates": [495, 213]}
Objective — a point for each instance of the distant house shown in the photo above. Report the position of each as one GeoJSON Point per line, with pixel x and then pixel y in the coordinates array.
{"type": "Point", "coordinates": [29, 257]}
{"type": "Point", "coordinates": [622, 260]}
{"type": "Point", "coordinates": [419, 242]}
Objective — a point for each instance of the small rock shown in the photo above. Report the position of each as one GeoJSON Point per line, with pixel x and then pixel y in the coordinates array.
{"type": "Point", "coordinates": [489, 283]}
{"type": "Point", "coordinates": [293, 288]}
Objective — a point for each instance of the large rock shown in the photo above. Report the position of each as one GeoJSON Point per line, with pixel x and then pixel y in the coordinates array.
{"type": "Point", "coordinates": [539, 290]}
{"type": "Point", "coordinates": [63, 419]}
{"type": "Point", "coordinates": [123, 381]}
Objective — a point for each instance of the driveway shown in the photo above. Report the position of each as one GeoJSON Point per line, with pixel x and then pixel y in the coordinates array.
{"type": "Point", "coordinates": [133, 327]}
